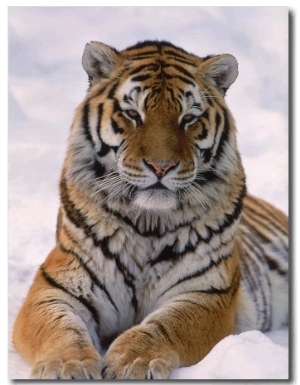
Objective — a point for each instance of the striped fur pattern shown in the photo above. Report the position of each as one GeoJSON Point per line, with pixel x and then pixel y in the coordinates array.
{"type": "Point", "coordinates": [155, 258]}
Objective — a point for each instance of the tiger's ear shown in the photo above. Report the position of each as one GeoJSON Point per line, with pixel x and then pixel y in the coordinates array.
{"type": "Point", "coordinates": [221, 70]}
{"type": "Point", "coordinates": [98, 60]}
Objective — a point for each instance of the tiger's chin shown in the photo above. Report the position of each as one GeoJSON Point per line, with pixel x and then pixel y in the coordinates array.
{"type": "Point", "coordinates": [153, 200]}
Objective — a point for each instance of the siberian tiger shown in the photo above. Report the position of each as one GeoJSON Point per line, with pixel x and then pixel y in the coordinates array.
{"type": "Point", "coordinates": [160, 253]}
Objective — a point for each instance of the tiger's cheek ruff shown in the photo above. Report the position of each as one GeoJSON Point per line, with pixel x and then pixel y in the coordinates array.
{"type": "Point", "coordinates": [160, 253]}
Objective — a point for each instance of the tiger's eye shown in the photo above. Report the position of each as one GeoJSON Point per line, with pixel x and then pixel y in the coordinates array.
{"type": "Point", "coordinates": [133, 114]}
{"type": "Point", "coordinates": [188, 118]}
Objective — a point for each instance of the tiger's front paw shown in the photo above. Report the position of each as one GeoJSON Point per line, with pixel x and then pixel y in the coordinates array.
{"type": "Point", "coordinates": [136, 354]}
{"type": "Point", "coordinates": [56, 368]}
{"type": "Point", "coordinates": [121, 367]}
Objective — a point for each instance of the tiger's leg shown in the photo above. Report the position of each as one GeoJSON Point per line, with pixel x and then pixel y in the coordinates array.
{"type": "Point", "coordinates": [179, 334]}
{"type": "Point", "coordinates": [55, 331]}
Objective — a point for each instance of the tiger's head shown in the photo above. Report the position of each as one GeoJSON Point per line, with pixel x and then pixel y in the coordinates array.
{"type": "Point", "coordinates": [154, 128]}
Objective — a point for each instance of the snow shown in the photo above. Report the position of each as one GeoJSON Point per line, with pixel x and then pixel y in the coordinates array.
{"type": "Point", "coordinates": [240, 357]}
{"type": "Point", "coordinates": [47, 82]}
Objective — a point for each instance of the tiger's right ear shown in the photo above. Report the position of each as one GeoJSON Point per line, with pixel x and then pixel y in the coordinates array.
{"type": "Point", "coordinates": [98, 60]}
{"type": "Point", "coordinates": [221, 70]}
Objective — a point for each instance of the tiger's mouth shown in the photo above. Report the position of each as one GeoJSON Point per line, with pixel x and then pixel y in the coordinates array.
{"type": "Point", "coordinates": [155, 186]}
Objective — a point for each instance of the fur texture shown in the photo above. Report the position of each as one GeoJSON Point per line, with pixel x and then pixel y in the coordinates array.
{"type": "Point", "coordinates": [156, 259]}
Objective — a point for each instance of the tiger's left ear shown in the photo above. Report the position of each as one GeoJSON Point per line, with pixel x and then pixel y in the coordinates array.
{"type": "Point", "coordinates": [99, 60]}
{"type": "Point", "coordinates": [221, 70]}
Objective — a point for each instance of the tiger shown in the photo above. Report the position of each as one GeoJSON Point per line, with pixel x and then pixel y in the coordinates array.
{"type": "Point", "coordinates": [160, 250]}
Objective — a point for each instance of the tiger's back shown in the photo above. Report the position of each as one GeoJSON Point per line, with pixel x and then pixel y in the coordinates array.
{"type": "Point", "coordinates": [155, 259]}
{"type": "Point", "coordinates": [264, 266]}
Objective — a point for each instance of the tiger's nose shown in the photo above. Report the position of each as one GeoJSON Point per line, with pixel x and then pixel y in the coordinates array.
{"type": "Point", "coordinates": [160, 168]}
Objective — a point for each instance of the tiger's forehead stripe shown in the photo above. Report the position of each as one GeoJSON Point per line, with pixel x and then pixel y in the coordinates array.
{"type": "Point", "coordinates": [154, 66]}
{"type": "Point", "coordinates": [161, 73]}
{"type": "Point", "coordinates": [163, 47]}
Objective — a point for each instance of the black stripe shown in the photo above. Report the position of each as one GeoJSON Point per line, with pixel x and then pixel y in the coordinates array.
{"type": "Point", "coordinates": [79, 220]}
{"type": "Point", "coordinates": [142, 68]}
{"type": "Point", "coordinates": [116, 128]}
{"type": "Point", "coordinates": [166, 255]}
{"type": "Point", "coordinates": [183, 79]}
{"type": "Point", "coordinates": [205, 114]}
{"type": "Point", "coordinates": [176, 54]}
{"type": "Point", "coordinates": [224, 136]}
{"type": "Point", "coordinates": [183, 61]}
{"type": "Point", "coordinates": [272, 228]}
{"type": "Point", "coordinates": [272, 217]}
{"type": "Point", "coordinates": [258, 242]}
{"type": "Point", "coordinates": [111, 93]}
{"type": "Point", "coordinates": [143, 55]}
{"type": "Point", "coordinates": [115, 148]}
{"type": "Point", "coordinates": [198, 273]}
{"type": "Point", "coordinates": [206, 154]}
{"type": "Point", "coordinates": [104, 147]}
{"type": "Point", "coordinates": [153, 232]}
{"type": "Point", "coordinates": [232, 288]}
{"type": "Point", "coordinates": [73, 213]}
{"type": "Point", "coordinates": [203, 134]}
{"type": "Point", "coordinates": [91, 274]}
{"type": "Point", "coordinates": [128, 277]}
{"type": "Point", "coordinates": [262, 221]}
{"type": "Point", "coordinates": [252, 277]}
{"type": "Point", "coordinates": [125, 219]}
{"type": "Point", "coordinates": [158, 44]}
{"type": "Point", "coordinates": [86, 123]}
{"type": "Point", "coordinates": [208, 99]}
{"type": "Point", "coordinates": [208, 57]}
{"type": "Point", "coordinates": [138, 89]}
{"type": "Point", "coordinates": [180, 69]}
{"type": "Point", "coordinates": [101, 90]}
{"type": "Point", "coordinates": [173, 97]}
{"type": "Point", "coordinates": [217, 119]}
{"type": "Point", "coordinates": [58, 318]}
{"type": "Point", "coordinates": [248, 280]}
{"type": "Point", "coordinates": [52, 282]}
{"type": "Point", "coordinates": [207, 177]}
{"type": "Point", "coordinates": [98, 168]}
{"type": "Point", "coordinates": [141, 78]}
{"type": "Point", "coordinates": [117, 107]}
{"type": "Point", "coordinates": [170, 253]}
{"type": "Point", "coordinates": [228, 219]}
{"type": "Point", "coordinates": [146, 101]}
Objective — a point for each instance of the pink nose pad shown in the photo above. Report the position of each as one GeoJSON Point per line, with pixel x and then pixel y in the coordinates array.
{"type": "Point", "coordinates": [160, 169]}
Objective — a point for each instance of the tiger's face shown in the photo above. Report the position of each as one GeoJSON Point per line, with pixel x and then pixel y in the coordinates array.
{"type": "Point", "coordinates": [158, 155]}
{"type": "Point", "coordinates": [157, 122]}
